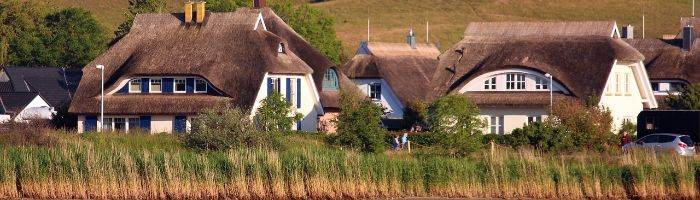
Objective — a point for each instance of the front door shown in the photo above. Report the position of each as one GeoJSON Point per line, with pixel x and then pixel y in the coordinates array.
{"type": "Point", "coordinates": [179, 124]}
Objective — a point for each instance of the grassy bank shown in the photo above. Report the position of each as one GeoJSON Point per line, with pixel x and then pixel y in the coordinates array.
{"type": "Point", "coordinates": [108, 167]}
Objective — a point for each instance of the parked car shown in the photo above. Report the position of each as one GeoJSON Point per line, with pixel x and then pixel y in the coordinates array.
{"type": "Point", "coordinates": [664, 141]}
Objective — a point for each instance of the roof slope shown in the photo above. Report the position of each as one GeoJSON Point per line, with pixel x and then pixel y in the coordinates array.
{"type": "Point", "coordinates": [581, 63]}
{"type": "Point", "coordinates": [16, 101]}
{"type": "Point", "coordinates": [408, 71]}
{"type": "Point", "coordinates": [56, 85]}
{"type": "Point", "coordinates": [224, 50]}
{"type": "Point", "coordinates": [580, 28]}
{"type": "Point", "coordinates": [664, 59]}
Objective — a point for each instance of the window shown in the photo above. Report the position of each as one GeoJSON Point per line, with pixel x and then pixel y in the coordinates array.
{"type": "Point", "coordinates": [134, 125]}
{"type": "Point", "coordinates": [200, 86]}
{"type": "Point", "coordinates": [497, 124]}
{"type": "Point", "coordinates": [156, 85]}
{"type": "Point", "coordinates": [375, 91]}
{"type": "Point", "coordinates": [107, 124]}
{"type": "Point", "coordinates": [135, 85]}
{"type": "Point", "coordinates": [490, 84]}
{"type": "Point", "coordinates": [655, 86]}
{"type": "Point", "coordinates": [293, 93]}
{"type": "Point", "coordinates": [330, 80]}
{"type": "Point", "coordinates": [627, 84]}
{"type": "Point", "coordinates": [515, 81]}
{"type": "Point", "coordinates": [276, 85]}
{"type": "Point", "coordinates": [180, 85]}
{"type": "Point", "coordinates": [119, 124]}
{"type": "Point", "coordinates": [666, 138]}
{"type": "Point", "coordinates": [649, 124]}
{"type": "Point", "coordinates": [281, 48]}
{"type": "Point", "coordinates": [651, 139]}
{"type": "Point", "coordinates": [541, 83]}
{"type": "Point", "coordinates": [532, 119]}
{"type": "Point", "coordinates": [617, 84]}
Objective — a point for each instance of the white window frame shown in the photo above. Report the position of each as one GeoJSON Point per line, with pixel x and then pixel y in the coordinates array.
{"type": "Point", "coordinates": [627, 84]}
{"type": "Point", "coordinates": [184, 81]}
{"type": "Point", "coordinates": [150, 85]}
{"type": "Point", "coordinates": [205, 85]}
{"type": "Point", "coordinates": [277, 85]}
{"type": "Point", "coordinates": [496, 125]}
{"type": "Point", "coordinates": [515, 81]}
{"type": "Point", "coordinates": [542, 83]}
{"type": "Point", "coordinates": [293, 93]}
{"type": "Point", "coordinates": [490, 83]}
{"type": "Point", "coordinates": [370, 91]}
{"type": "Point", "coordinates": [111, 124]}
{"type": "Point", "coordinates": [534, 118]}
{"type": "Point", "coordinates": [281, 48]}
{"type": "Point", "coordinates": [128, 123]}
{"type": "Point", "coordinates": [618, 88]}
{"type": "Point", "coordinates": [125, 121]}
{"type": "Point", "coordinates": [131, 81]}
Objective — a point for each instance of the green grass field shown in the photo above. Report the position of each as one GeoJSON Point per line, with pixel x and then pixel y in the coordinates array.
{"type": "Point", "coordinates": [391, 19]}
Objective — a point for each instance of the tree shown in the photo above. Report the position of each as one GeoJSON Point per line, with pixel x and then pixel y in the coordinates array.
{"type": "Point", "coordinates": [226, 5]}
{"type": "Point", "coordinates": [314, 25]}
{"type": "Point", "coordinates": [687, 99]}
{"type": "Point", "coordinates": [273, 114]}
{"type": "Point", "coordinates": [137, 7]}
{"type": "Point", "coordinates": [227, 128]}
{"type": "Point", "coordinates": [414, 113]}
{"type": "Point", "coordinates": [456, 122]}
{"type": "Point", "coordinates": [358, 123]}
{"type": "Point", "coordinates": [76, 38]}
{"type": "Point", "coordinates": [21, 31]}
{"type": "Point", "coordinates": [545, 136]}
{"type": "Point", "coordinates": [589, 126]}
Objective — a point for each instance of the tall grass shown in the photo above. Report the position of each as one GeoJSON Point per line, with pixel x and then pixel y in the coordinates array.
{"type": "Point", "coordinates": [77, 170]}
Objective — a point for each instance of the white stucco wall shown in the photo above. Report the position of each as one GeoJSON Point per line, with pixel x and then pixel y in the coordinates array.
{"type": "Point", "coordinates": [623, 105]}
{"type": "Point", "coordinates": [389, 100]}
{"type": "Point", "coordinates": [512, 117]}
{"type": "Point", "coordinates": [310, 101]}
{"type": "Point", "coordinates": [159, 123]}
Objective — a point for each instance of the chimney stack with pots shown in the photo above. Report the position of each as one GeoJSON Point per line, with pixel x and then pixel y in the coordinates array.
{"type": "Point", "coordinates": [410, 39]}
{"type": "Point", "coordinates": [259, 3]}
{"type": "Point", "coordinates": [628, 32]}
{"type": "Point", "coordinates": [188, 11]}
{"type": "Point", "coordinates": [688, 37]}
{"type": "Point", "coordinates": [200, 11]}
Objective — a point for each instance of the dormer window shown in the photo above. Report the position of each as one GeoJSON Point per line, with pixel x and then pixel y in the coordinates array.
{"type": "Point", "coordinates": [330, 80]}
{"type": "Point", "coordinates": [135, 85]}
{"type": "Point", "coordinates": [281, 48]}
{"type": "Point", "coordinates": [515, 81]}
{"type": "Point", "coordinates": [200, 86]}
{"type": "Point", "coordinates": [156, 85]}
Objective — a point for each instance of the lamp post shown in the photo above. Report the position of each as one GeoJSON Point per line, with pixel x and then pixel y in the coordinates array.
{"type": "Point", "coordinates": [102, 94]}
{"type": "Point", "coordinates": [550, 92]}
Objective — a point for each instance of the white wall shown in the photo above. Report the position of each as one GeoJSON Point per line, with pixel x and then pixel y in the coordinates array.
{"type": "Point", "coordinates": [623, 105]}
{"type": "Point", "coordinates": [477, 84]}
{"type": "Point", "coordinates": [513, 117]}
{"type": "Point", "coordinates": [159, 123]}
{"type": "Point", "coordinates": [389, 100]}
{"type": "Point", "coordinates": [37, 102]}
{"type": "Point", "coordinates": [310, 103]}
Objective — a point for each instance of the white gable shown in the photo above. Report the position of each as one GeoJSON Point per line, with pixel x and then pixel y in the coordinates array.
{"type": "Point", "coordinates": [260, 21]}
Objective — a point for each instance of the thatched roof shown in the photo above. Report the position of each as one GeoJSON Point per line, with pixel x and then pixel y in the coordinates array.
{"type": "Point", "coordinates": [514, 99]}
{"type": "Point", "coordinates": [666, 60]}
{"type": "Point", "coordinates": [582, 63]}
{"type": "Point", "coordinates": [517, 29]}
{"type": "Point", "coordinates": [224, 50]}
{"type": "Point", "coordinates": [408, 71]}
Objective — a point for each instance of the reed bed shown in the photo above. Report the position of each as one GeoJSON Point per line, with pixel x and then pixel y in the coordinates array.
{"type": "Point", "coordinates": [78, 171]}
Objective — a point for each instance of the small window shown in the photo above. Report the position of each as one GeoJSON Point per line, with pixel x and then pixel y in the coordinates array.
{"type": "Point", "coordinates": [119, 124]}
{"type": "Point", "coordinates": [497, 124]}
{"type": "Point", "coordinates": [375, 91]}
{"type": "Point", "coordinates": [490, 84]}
{"type": "Point", "coordinates": [276, 85]}
{"type": "Point", "coordinates": [541, 83]}
{"type": "Point", "coordinates": [156, 85]}
{"type": "Point", "coordinates": [618, 84]}
{"type": "Point", "coordinates": [107, 124]}
{"type": "Point", "coordinates": [655, 87]}
{"type": "Point", "coordinates": [135, 85]}
{"type": "Point", "coordinates": [200, 86]}
{"type": "Point", "coordinates": [627, 84]}
{"type": "Point", "coordinates": [180, 85]}
{"type": "Point", "coordinates": [134, 125]}
{"type": "Point", "coordinates": [532, 119]}
{"type": "Point", "coordinates": [515, 81]}
{"type": "Point", "coordinates": [281, 48]}
{"type": "Point", "coordinates": [649, 124]}
{"type": "Point", "coordinates": [330, 80]}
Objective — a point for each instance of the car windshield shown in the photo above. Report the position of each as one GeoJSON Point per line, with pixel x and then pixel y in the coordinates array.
{"type": "Point", "coordinates": [687, 140]}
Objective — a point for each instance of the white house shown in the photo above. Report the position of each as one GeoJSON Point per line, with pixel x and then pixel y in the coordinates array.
{"type": "Point", "coordinates": [505, 71]}
{"type": "Point", "coordinates": [170, 67]}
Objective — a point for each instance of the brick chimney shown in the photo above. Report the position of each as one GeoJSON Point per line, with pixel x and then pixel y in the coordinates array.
{"type": "Point", "coordinates": [688, 37]}
{"type": "Point", "coordinates": [259, 4]}
{"type": "Point", "coordinates": [200, 11]}
{"type": "Point", "coordinates": [188, 12]}
{"type": "Point", "coordinates": [411, 39]}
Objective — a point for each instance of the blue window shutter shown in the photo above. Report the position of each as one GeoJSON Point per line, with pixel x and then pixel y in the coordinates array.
{"type": "Point", "coordinates": [145, 122]}
{"type": "Point", "coordinates": [167, 85]}
{"type": "Point", "coordinates": [90, 123]}
{"type": "Point", "coordinates": [211, 91]}
{"type": "Point", "coordinates": [124, 89]}
{"type": "Point", "coordinates": [144, 85]}
{"type": "Point", "coordinates": [179, 124]}
{"type": "Point", "coordinates": [298, 93]}
{"type": "Point", "coordinates": [189, 85]}
{"type": "Point", "coordinates": [289, 90]}
{"type": "Point", "coordinates": [269, 86]}
{"type": "Point", "coordinates": [299, 125]}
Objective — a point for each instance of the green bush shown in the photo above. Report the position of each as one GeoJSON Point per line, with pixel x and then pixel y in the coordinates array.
{"type": "Point", "coordinates": [455, 121]}
{"type": "Point", "coordinates": [227, 128]}
{"type": "Point", "coordinates": [358, 124]}
{"type": "Point", "coordinates": [543, 136]}
{"type": "Point", "coordinates": [273, 114]}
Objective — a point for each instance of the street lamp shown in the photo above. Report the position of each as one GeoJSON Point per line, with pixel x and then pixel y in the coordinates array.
{"type": "Point", "coordinates": [550, 92]}
{"type": "Point", "coordinates": [102, 94]}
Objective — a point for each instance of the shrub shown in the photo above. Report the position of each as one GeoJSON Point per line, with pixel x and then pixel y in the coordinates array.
{"type": "Point", "coordinates": [455, 121]}
{"type": "Point", "coordinates": [273, 114]}
{"type": "Point", "coordinates": [62, 119]}
{"type": "Point", "coordinates": [546, 136]}
{"type": "Point", "coordinates": [227, 128]}
{"type": "Point", "coordinates": [358, 124]}
{"type": "Point", "coordinates": [35, 132]}
{"type": "Point", "coordinates": [590, 126]}
{"type": "Point", "coordinates": [414, 114]}
{"type": "Point", "coordinates": [687, 99]}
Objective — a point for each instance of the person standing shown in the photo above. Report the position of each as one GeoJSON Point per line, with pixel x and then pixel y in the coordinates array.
{"type": "Point", "coordinates": [395, 142]}
{"type": "Point", "coordinates": [404, 140]}
{"type": "Point", "coordinates": [624, 139]}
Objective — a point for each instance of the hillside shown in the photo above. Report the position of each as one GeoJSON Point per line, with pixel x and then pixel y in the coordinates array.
{"type": "Point", "coordinates": [391, 19]}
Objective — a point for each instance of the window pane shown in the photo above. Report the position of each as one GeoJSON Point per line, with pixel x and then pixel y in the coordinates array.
{"type": "Point", "coordinates": [134, 125]}
{"type": "Point", "coordinates": [330, 80]}
{"type": "Point", "coordinates": [180, 85]}
{"type": "Point", "coordinates": [135, 85]}
{"type": "Point", "coordinates": [501, 125]}
{"type": "Point", "coordinates": [201, 85]}
{"type": "Point", "coordinates": [494, 124]}
{"type": "Point", "coordinates": [156, 85]}
{"type": "Point", "coordinates": [107, 124]}
{"type": "Point", "coordinates": [119, 124]}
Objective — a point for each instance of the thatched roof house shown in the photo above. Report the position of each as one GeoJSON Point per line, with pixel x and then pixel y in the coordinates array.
{"type": "Point", "coordinates": [232, 55]}
{"type": "Point", "coordinates": [506, 72]}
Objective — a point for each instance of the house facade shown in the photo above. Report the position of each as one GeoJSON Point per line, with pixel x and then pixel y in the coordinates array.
{"type": "Point", "coordinates": [170, 67]}
{"type": "Point", "coordinates": [507, 72]}
{"type": "Point", "coordinates": [393, 74]}
{"type": "Point", "coordinates": [28, 93]}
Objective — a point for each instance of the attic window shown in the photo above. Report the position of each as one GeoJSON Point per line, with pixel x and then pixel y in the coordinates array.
{"type": "Point", "coordinates": [330, 80]}
{"type": "Point", "coordinates": [281, 48]}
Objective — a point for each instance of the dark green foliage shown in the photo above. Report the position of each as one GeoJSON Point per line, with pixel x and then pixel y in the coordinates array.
{"type": "Point", "coordinates": [414, 114]}
{"type": "Point", "coordinates": [227, 128]}
{"type": "Point", "coordinates": [22, 28]}
{"type": "Point", "coordinates": [543, 136]}
{"type": "Point", "coordinates": [63, 119]}
{"type": "Point", "coordinates": [226, 5]}
{"type": "Point", "coordinates": [76, 38]}
{"type": "Point", "coordinates": [455, 120]}
{"type": "Point", "coordinates": [273, 114]}
{"type": "Point", "coordinates": [688, 99]}
{"type": "Point", "coordinates": [314, 25]}
{"type": "Point", "coordinates": [137, 7]}
{"type": "Point", "coordinates": [358, 124]}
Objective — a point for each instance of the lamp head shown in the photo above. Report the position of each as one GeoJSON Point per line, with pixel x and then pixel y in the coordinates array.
{"type": "Point", "coordinates": [548, 75]}
{"type": "Point", "coordinates": [99, 66]}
